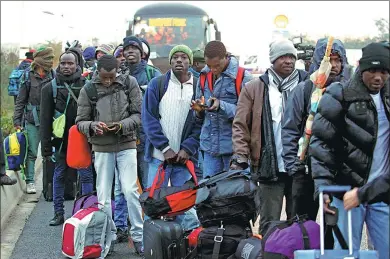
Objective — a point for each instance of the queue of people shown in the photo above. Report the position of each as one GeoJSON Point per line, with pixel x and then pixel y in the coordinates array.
{"type": "Point", "coordinates": [143, 118]}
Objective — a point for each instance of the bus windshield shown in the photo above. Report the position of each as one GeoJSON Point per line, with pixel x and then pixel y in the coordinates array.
{"type": "Point", "coordinates": [163, 33]}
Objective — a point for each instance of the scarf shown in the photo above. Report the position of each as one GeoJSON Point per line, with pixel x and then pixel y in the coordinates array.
{"type": "Point", "coordinates": [71, 79]}
{"type": "Point", "coordinates": [44, 59]}
{"type": "Point", "coordinates": [286, 85]}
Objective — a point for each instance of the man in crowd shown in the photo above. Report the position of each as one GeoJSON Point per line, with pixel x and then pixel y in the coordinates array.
{"type": "Point", "coordinates": [110, 125]}
{"type": "Point", "coordinates": [257, 131]}
{"type": "Point", "coordinates": [350, 144]}
{"type": "Point", "coordinates": [172, 134]}
{"type": "Point", "coordinates": [199, 62]}
{"type": "Point", "coordinates": [293, 125]}
{"type": "Point", "coordinates": [216, 136]}
{"type": "Point", "coordinates": [60, 97]}
{"type": "Point", "coordinates": [28, 106]}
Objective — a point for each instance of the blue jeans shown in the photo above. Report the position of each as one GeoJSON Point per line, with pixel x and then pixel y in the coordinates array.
{"type": "Point", "coordinates": [125, 162]}
{"type": "Point", "coordinates": [121, 212]}
{"type": "Point", "coordinates": [215, 164]}
{"type": "Point", "coordinates": [178, 174]}
{"type": "Point", "coordinates": [61, 168]}
{"type": "Point", "coordinates": [376, 217]}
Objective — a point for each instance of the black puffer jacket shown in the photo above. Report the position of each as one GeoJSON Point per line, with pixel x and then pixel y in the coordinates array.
{"type": "Point", "coordinates": [344, 134]}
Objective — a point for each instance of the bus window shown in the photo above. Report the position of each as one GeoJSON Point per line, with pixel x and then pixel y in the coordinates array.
{"type": "Point", "coordinates": [163, 33]}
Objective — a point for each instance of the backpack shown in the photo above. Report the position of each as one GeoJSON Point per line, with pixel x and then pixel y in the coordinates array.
{"type": "Point", "coordinates": [93, 95]}
{"type": "Point", "coordinates": [87, 201]}
{"type": "Point", "coordinates": [150, 72]}
{"type": "Point", "coordinates": [228, 197]}
{"type": "Point", "coordinates": [88, 234]}
{"type": "Point", "coordinates": [15, 151]}
{"type": "Point", "coordinates": [15, 82]}
{"type": "Point", "coordinates": [209, 76]}
{"type": "Point", "coordinates": [161, 85]}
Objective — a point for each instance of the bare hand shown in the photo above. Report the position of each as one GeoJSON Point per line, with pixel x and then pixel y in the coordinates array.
{"type": "Point", "coordinates": [99, 128]}
{"type": "Point", "coordinates": [170, 156]}
{"type": "Point", "coordinates": [197, 105]}
{"type": "Point", "coordinates": [182, 157]}
{"type": "Point", "coordinates": [351, 199]}
{"type": "Point", "coordinates": [326, 205]}
{"type": "Point", "coordinates": [215, 104]}
{"type": "Point", "coordinates": [235, 166]}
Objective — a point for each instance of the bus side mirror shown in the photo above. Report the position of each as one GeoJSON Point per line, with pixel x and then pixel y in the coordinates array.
{"type": "Point", "coordinates": [218, 35]}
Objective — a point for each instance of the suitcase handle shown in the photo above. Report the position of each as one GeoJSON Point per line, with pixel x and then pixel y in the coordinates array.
{"type": "Point", "coordinates": [333, 189]}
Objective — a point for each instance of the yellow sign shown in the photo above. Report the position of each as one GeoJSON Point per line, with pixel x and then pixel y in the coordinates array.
{"type": "Point", "coordinates": [281, 21]}
{"type": "Point", "coordinates": [167, 22]}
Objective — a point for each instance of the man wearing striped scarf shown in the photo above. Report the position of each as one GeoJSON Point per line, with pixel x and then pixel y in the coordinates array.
{"type": "Point", "coordinates": [267, 96]}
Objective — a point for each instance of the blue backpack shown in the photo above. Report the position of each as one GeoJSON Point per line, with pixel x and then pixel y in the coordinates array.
{"type": "Point", "coordinates": [15, 151]}
{"type": "Point", "coordinates": [15, 82]}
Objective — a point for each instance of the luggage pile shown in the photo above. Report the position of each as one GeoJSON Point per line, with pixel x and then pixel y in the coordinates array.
{"type": "Point", "coordinates": [225, 204]}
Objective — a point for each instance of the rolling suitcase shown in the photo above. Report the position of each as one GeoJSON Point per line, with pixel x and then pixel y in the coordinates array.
{"type": "Point", "coordinates": [334, 254]}
{"type": "Point", "coordinates": [163, 240]}
{"type": "Point", "coordinates": [47, 179]}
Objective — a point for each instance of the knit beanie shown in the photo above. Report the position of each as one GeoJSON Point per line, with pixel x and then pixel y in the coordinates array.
{"type": "Point", "coordinates": [375, 56]}
{"type": "Point", "coordinates": [146, 48]}
{"type": "Point", "coordinates": [132, 41]}
{"type": "Point", "coordinates": [105, 48]}
{"type": "Point", "coordinates": [198, 55]}
{"type": "Point", "coordinates": [184, 49]}
{"type": "Point", "coordinates": [118, 50]}
{"type": "Point", "coordinates": [281, 48]}
{"type": "Point", "coordinates": [89, 53]}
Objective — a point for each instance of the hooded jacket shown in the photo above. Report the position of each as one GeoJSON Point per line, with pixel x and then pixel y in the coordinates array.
{"type": "Point", "coordinates": [113, 105]}
{"type": "Point", "coordinates": [298, 108]}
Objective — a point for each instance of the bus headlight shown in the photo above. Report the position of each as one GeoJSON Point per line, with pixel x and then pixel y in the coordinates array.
{"type": "Point", "coordinates": [138, 18]}
{"type": "Point", "coordinates": [205, 18]}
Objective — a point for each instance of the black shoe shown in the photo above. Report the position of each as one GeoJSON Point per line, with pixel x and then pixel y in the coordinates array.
{"type": "Point", "coordinates": [6, 180]}
{"type": "Point", "coordinates": [121, 236]}
{"type": "Point", "coordinates": [57, 220]}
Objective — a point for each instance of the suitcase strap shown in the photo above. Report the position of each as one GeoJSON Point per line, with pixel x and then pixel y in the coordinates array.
{"type": "Point", "coordinates": [217, 242]}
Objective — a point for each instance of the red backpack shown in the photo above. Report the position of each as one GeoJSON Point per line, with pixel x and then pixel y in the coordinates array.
{"type": "Point", "coordinates": [209, 77]}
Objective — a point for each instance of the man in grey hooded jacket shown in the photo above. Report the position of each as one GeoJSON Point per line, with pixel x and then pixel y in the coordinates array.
{"type": "Point", "coordinates": [109, 112]}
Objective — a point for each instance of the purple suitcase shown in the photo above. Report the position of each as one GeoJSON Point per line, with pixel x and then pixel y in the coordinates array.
{"type": "Point", "coordinates": [334, 254]}
{"type": "Point", "coordinates": [88, 200]}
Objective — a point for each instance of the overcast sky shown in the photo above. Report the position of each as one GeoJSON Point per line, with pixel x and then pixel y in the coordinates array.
{"type": "Point", "coordinates": [242, 23]}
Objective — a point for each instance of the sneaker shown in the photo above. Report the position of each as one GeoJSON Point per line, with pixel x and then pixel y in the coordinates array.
{"type": "Point", "coordinates": [6, 180]}
{"type": "Point", "coordinates": [31, 188]}
{"type": "Point", "coordinates": [57, 220]}
{"type": "Point", "coordinates": [121, 236]}
{"type": "Point", "coordinates": [139, 248]}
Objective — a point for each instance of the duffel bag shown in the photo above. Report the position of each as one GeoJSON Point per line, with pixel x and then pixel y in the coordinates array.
{"type": "Point", "coordinates": [159, 201]}
{"type": "Point", "coordinates": [228, 197]}
{"type": "Point", "coordinates": [282, 238]}
{"type": "Point", "coordinates": [219, 242]}
{"type": "Point", "coordinates": [249, 248]}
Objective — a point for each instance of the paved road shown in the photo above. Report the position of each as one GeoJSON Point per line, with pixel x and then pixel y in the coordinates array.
{"type": "Point", "coordinates": [40, 241]}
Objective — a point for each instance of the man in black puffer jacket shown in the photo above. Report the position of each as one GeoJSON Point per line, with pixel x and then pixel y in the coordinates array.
{"type": "Point", "coordinates": [350, 143]}
{"type": "Point", "coordinates": [60, 97]}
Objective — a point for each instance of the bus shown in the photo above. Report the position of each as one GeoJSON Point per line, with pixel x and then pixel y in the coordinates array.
{"type": "Point", "coordinates": [165, 25]}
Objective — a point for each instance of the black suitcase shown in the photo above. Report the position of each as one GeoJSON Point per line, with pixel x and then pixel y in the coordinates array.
{"type": "Point", "coordinates": [47, 179]}
{"type": "Point", "coordinates": [164, 240]}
